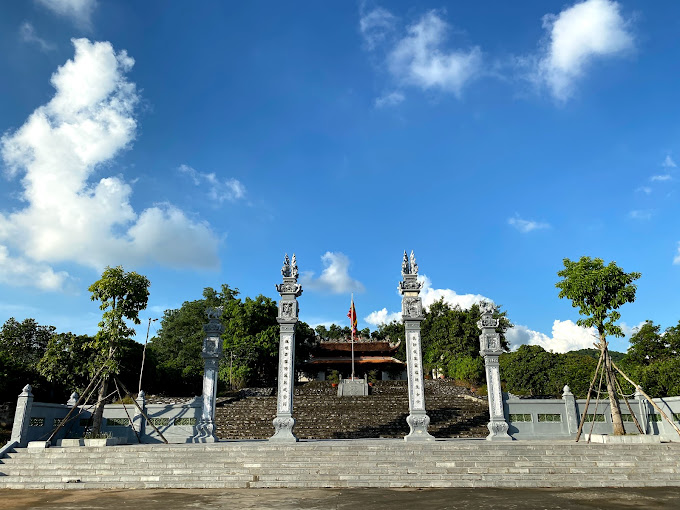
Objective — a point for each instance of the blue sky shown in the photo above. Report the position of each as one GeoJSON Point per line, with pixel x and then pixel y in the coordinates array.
{"type": "Point", "coordinates": [197, 143]}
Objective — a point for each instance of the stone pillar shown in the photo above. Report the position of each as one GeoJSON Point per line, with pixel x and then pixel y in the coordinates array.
{"type": "Point", "coordinates": [643, 408]}
{"type": "Point", "coordinates": [22, 417]}
{"type": "Point", "coordinates": [138, 418]}
{"type": "Point", "coordinates": [412, 315]}
{"type": "Point", "coordinates": [570, 410]}
{"type": "Point", "coordinates": [490, 348]}
{"type": "Point", "coordinates": [287, 319]}
{"type": "Point", "coordinates": [73, 399]}
{"type": "Point", "coordinates": [211, 354]}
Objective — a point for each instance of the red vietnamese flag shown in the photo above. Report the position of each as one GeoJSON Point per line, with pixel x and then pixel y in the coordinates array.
{"type": "Point", "coordinates": [352, 314]}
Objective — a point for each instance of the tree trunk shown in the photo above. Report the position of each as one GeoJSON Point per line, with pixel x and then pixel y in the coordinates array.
{"type": "Point", "coordinates": [97, 417]}
{"type": "Point", "coordinates": [613, 397]}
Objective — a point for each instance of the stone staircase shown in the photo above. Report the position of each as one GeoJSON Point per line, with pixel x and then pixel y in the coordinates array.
{"type": "Point", "coordinates": [321, 414]}
{"type": "Point", "coordinates": [355, 463]}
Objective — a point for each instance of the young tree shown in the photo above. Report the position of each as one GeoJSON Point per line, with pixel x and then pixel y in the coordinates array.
{"type": "Point", "coordinates": [122, 296]}
{"type": "Point", "coordinates": [598, 291]}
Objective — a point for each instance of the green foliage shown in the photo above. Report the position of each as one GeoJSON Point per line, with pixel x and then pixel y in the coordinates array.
{"type": "Point", "coordinates": [531, 370]}
{"type": "Point", "coordinates": [66, 361]}
{"type": "Point", "coordinates": [22, 345]}
{"type": "Point", "coordinates": [466, 368]}
{"type": "Point", "coordinates": [653, 359]}
{"type": "Point", "coordinates": [394, 332]}
{"type": "Point", "coordinates": [597, 291]}
{"type": "Point", "coordinates": [450, 333]}
{"type": "Point", "coordinates": [122, 296]}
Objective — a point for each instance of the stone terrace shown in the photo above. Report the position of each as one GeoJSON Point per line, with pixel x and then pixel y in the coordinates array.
{"type": "Point", "coordinates": [321, 414]}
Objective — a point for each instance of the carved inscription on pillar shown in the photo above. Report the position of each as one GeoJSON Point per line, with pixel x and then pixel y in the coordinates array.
{"type": "Point", "coordinates": [290, 290]}
{"type": "Point", "coordinates": [412, 315]}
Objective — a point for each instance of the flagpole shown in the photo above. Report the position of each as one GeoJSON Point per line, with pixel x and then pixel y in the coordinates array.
{"type": "Point", "coordinates": [351, 325]}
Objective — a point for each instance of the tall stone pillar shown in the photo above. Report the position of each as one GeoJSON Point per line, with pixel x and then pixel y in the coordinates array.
{"type": "Point", "coordinates": [287, 319]}
{"type": "Point", "coordinates": [211, 354]}
{"type": "Point", "coordinates": [412, 314]}
{"type": "Point", "coordinates": [22, 417]}
{"type": "Point", "coordinates": [490, 348]}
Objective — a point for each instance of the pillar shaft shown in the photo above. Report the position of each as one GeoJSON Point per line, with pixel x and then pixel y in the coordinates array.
{"type": "Point", "coordinates": [412, 315]}
{"type": "Point", "coordinates": [211, 354]}
{"type": "Point", "coordinates": [490, 349]}
{"type": "Point", "coordinates": [287, 319]}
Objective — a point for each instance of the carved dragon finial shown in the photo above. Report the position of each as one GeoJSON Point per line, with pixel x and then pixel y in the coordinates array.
{"type": "Point", "coordinates": [214, 313]}
{"type": "Point", "coordinates": [405, 268]}
{"type": "Point", "coordinates": [486, 307]}
{"type": "Point", "coordinates": [294, 268]}
{"type": "Point", "coordinates": [285, 270]}
{"type": "Point", "coordinates": [414, 266]}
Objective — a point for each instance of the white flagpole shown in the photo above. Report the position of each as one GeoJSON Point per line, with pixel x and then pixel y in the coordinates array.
{"type": "Point", "coordinates": [351, 325]}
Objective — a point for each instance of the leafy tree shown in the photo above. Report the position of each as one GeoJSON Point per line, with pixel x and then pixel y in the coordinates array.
{"type": "Point", "coordinates": [598, 291]}
{"type": "Point", "coordinates": [530, 370]}
{"type": "Point", "coordinates": [176, 348]}
{"type": "Point", "coordinates": [22, 344]}
{"type": "Point", "coordinates": [654, 359]}
{"type": "Point", "coordinates": [66, 361]}
{"type": "Point", "coordinates": [394, 332]}
{"type": "Point", "coordinates": [450, 336]}
{"type": "Point", "coordinates": [122, 296]}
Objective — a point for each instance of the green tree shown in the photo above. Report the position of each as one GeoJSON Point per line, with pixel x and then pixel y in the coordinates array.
{"type": "Point", "coordinates": [122, 296]}
{"type": "Point", "coordinates": [22, 345]}
{"type": "Point", "coordinates": [598, 291]}
{"type": "Point", "coordinates": [175, 350]}
{"type": "Point", "coordinates": [450, 336]}
{"type": "Point", "coordinates": [66, 361]}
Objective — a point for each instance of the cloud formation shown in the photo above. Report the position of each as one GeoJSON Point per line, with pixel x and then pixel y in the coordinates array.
{"type": "Point", "coordinates": [526, 226]}
{"type": "Point", "coordinates": [335, 276]}
{"type": "Point", "coordinates": [420, 59]}
{"type": "Point", "coordinates": [577, 36]}
{"type": "Point", "coordinates": [668, 162]}
{"type": "Point", "coordinates": [566, 336]}
{"type": "Point", "coordinates": [219, 191]}
{"type": "Point", "coordinates": [79, 11]}
{"type": "Point", "coordinates": [676, 260]}
{"type": "Point", "coordinates": [375, 26]}
{"type": "Point", "coordinates": [29, 35]}
{"type": "Point", "coordinates": [429, 295]}
{"type": "Point", "coordinates": [68, 218]}
{"type": "Point", "coordinates": [419, 56]}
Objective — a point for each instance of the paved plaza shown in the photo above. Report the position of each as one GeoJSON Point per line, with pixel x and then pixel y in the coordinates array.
{"type": "Point", "coordinates": [344, 499]}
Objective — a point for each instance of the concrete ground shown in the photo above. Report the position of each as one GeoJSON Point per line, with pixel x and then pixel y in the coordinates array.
{"type": "Point", "coordinates": [343, 499]}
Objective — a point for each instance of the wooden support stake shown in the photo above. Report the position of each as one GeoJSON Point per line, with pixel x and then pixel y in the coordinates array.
{"type": "Point", "coordinates": [139, 440]}
{"type": "Point", "coordinates": [648, 398]}
{"type": "Point", "coordinates": [583, 416]}
{"type": "Point", "coordinates": [143, 413]}
{"type": "Point", "coordinates": [625, 399]}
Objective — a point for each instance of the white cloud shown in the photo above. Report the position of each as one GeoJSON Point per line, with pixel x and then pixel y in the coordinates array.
{"type": "Point", "coordinates": [464, 301]}
{"type": "Point", "coordinates": [389, 99]}
{"type": "Point", "coordinates": [382, 317]}
{"type": "Point", "coordinates": [644, 189]}
{"type": "Point", "coordinates": [668, 163]}
{"type": "Point", "coordinates": [578, 35]}
{"type": "Point", "coordinates": [660, 178]}
{"type": "Point", "coordinates": [429, 296]}
{"type": "Point", "coordinates": [19, 272]}
{"type": "Point", "coordinates": [639, 214]}
{"type": "Point", "coordinates": [78, 10]}
{"type": "Point", "coordinates": [334, 278]}
{"type": "Point", "coordinates": [68, 218]}
{"type": "Point", "coordinates": [420, 59]}
{"type": "Point", "coordinates": [526, 226]}
{"type": "Point", "coordinates": [28, 34]}
{"type": "Point", "coordinates": [676, 260]}
{"type": "Point", "coordinates": [566, 336]}
{"type": "Point", "coordinates": [218, 190]}
{"type": "Point", "coordinates": [375, 26]}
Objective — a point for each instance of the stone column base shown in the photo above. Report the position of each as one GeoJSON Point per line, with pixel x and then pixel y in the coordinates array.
{"type": "Point", "coordinates": [418, 422]}
{"type": "Point", "coordinates": [498, 431]}
{"type": "Point", "coordinates": [283, 425]}
{"type": "Point", "coordinates": [205, 432]}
